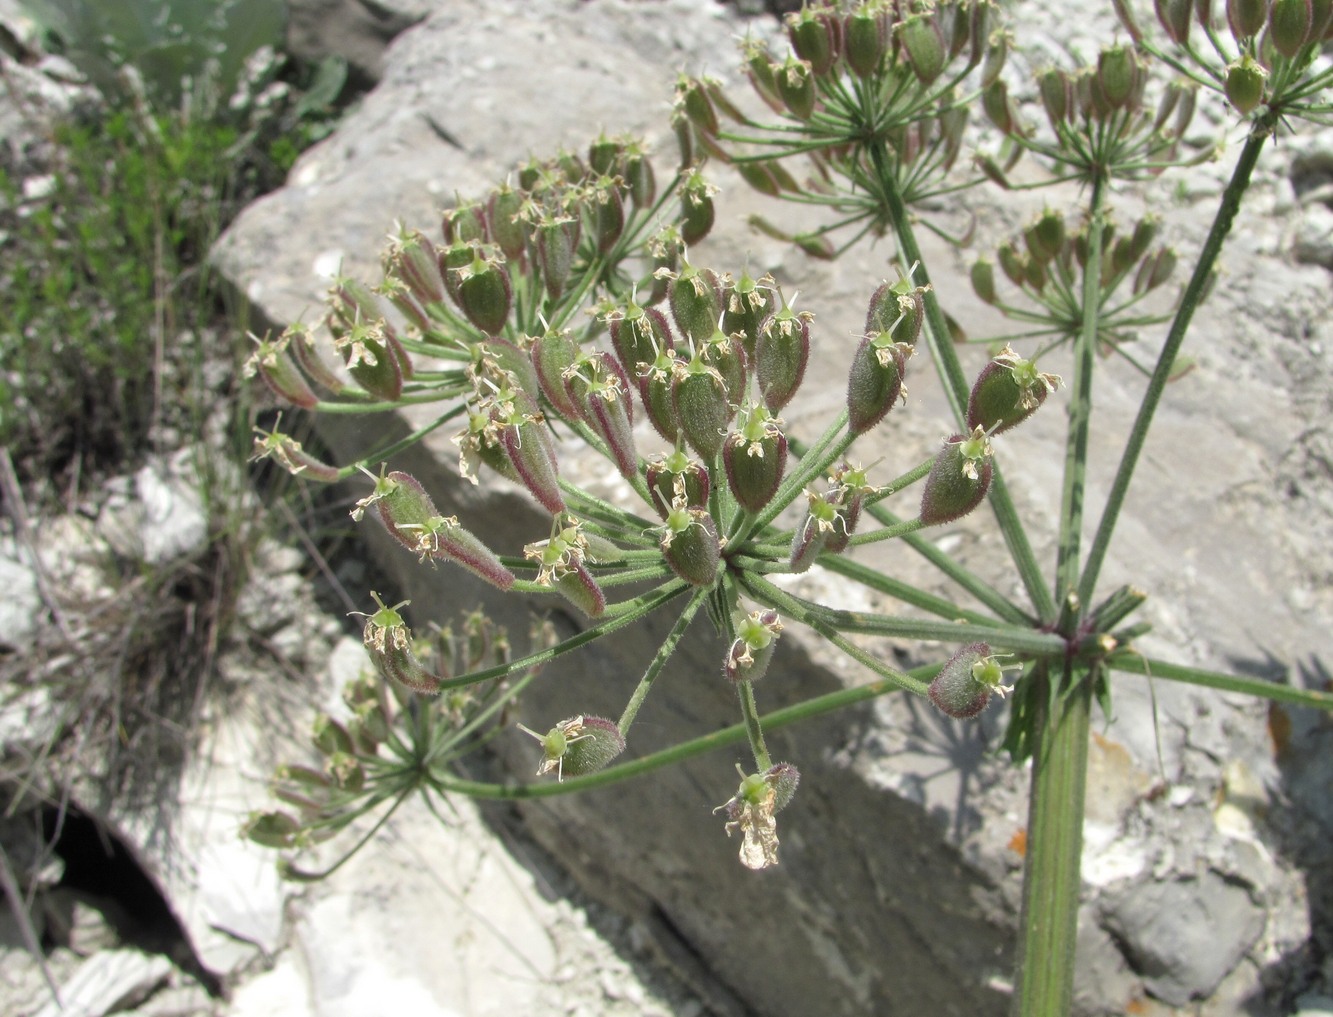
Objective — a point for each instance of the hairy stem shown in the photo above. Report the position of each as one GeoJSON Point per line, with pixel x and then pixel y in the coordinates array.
{"type": "Point", "coordinates": [1045, 962]}
{"type": "Point", "coordinates": [1189, 303]}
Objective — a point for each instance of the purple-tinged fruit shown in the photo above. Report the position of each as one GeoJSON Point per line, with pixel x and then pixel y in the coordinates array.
{"type": "Point", "coordinates": [958, 479]}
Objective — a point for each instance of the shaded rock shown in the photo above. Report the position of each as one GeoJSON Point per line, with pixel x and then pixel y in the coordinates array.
{"type": "Point", "coordinates": [356, 30]}
{"type": "Point", "coordinates": [21, 606]}
{"type": "Point", "coordinates": [1184, 936]}
{"type": "Point", "coordinates": [1313, 244]}
{"type": "Point", "coordinates": [108, 981]}
{"type": "Point", "coordinates": [905, 841]}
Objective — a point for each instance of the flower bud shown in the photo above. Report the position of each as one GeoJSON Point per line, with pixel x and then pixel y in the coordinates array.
{"type": "Point", "coordinates": [410, 517]}
{"type": "Point", "coordinates": [752, 651]}
{"type": "Point", "coordinates": [388, 643]}
{"type": "Point", "coordinates": [898, 308]}
{"type": "Point", "coordinates": [796, 85]}
{"type": "Point", "coordinates": [690, 544]}
{"type": "Point", "coordinates": [696, 206]}
{"type": "Point", "coordinates": [810, 536]}
{"type": "Point", "coordinates": [958, 479]}
{"type": "Point", "coordinates": [578, 746]}
{"type": "Point", "coordinates": [507, 228]}
{"type": "Point", "coordinates": [875, 381]}
{"type": "Point", "coordinates": [273, 362]}
{"type": "Point", "coordinates": [1045, 236]}
{"type": "Point", "coordinates": [1007, 391]}
{"type": "Point", "coordinates": [692, 99]}
{"type": "Point", "coordinates": [865, 39]}
{"type": "Point", "coordinates": [557, 240]}
{"type": "Point", "coordinates": [1117, 75]}
{"type": "Point", "coordinates": [1289, 25]}
{"type": "Point", "coordinates": [814, 38]}
{"type": "Point", "coordinates": [1245, 84]}
{"type": "Point", "coordinates": [745, 307]}
{"type": "Point", "coordinates": [924, 44]}
{"type": "Point", "coordinates": [695, 297]}
{"type": "Point", "coordinates": [1246, 18]}
{"type": "Point", "coordinates": [999, 108]}
{"type": "Point", "coordinates": [983, 280]}
{"type": "Point", "coordinates": [638, 173]}
{"type": "Point", "coordinates": [678, 476]}
{"type": "Point", "coordinates": [272, 829]}
{"type": "Point", "coordinates": [755, 456]}
{"type": "Point", "coordinates": [528, 445]}
{"type": "Point", "coordinates": [702, 407]}
{"type": "Point", "coordinates": [1056, 96]}
{"type": "Point", "coordinates": [638, 336]}
{"type": "Point", "coordinates": [782, 351]}
{"type": "Point", "coordinates": [600, 388]}
{"type": "Point", "coordinates": [964, 684]}
{"type": "Point", "coordinates": [1175, 17]}
{"type": "Point", "coordinates": [552, 354]}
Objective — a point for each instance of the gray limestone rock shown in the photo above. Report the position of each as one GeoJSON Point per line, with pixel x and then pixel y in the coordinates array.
{"type": "Point", "coordinates": [1185, 935]}
{"type": "Point", "coordinates": [899, 873]}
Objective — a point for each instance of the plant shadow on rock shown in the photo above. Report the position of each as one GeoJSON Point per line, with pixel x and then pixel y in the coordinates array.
{"type": "Point", "coordinates": [1299, 816]}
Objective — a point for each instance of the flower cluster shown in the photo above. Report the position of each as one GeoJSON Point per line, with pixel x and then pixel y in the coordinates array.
{"type": "Point", "coordinates": [571, 303]}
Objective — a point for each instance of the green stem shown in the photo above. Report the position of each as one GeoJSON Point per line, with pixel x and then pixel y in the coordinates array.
{"type": "Point", "coordinates": [957, 389]}
{"type": "Point", "coordinates": [1135, 663]}
{"type": "Point", "coordinates": [887, 533]}
{"type": "Point", "coordinates": [1189, 303]}
{"type": "Point", "coordinates": [754, 729]}
{"type": "Point", "coordinates": [899, 590]}
{"type": "Point", "coordinates": [1080, 415]}
{"type": "Point", "coordinates": [659, 660]}
{"type": "Point", "coordinates": [1045, 962]}
{"type": "Point", "coordinates": [635, 609]}
{"type": "Point", "coordinates": [1002, 637]}
{"type": "Point", "coordinates": [807, 710]}
{"type": "Point", "coordinates": [815, 461]}
{"type": "Point", "coordinates": [959, 573]}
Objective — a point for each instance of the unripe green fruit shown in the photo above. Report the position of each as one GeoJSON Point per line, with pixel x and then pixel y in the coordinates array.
{"type": "Point", "coordinates": [874, 382]}
{"type": "Point", "coordinates": [958, 479]}
{"type": "Point", "coordinates": [691, 546]}
{"type": "Point", "coordinates": [955, 690]}
{"type": "Point", "coordinates": [1245, 84]}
